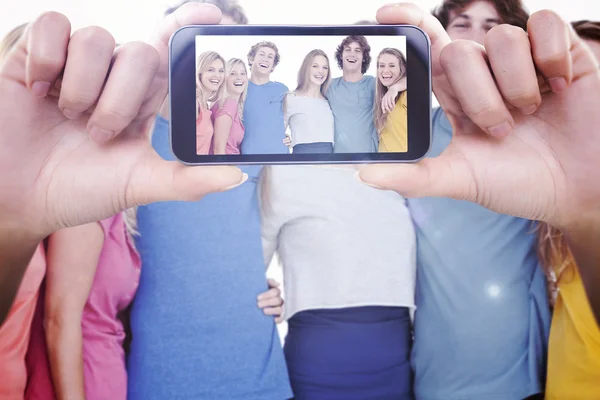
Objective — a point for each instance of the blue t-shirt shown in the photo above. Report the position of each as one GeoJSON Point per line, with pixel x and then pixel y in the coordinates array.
{"type": "Point", "coordinates": [482, 319]}
{"type": "Point", "coordinates": [352, 106]}
{"type": "Point", "coordinates": [197, 331]}
{"type": "Point", "coordinates": [264, 129]}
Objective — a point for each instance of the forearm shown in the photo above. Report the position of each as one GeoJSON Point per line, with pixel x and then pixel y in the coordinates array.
{"type": "Point", "coordinates": [16, 251]}
{"type": "Point", "coordinates": [65, 353]}
{"type": "Point", "coordinates": [584, 243]}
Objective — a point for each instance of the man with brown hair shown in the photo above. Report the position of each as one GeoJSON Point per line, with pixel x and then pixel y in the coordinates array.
{"type": "Point", "coordinates": [482, 318]}
{"type": "Point", "coordinates": [263, 109]}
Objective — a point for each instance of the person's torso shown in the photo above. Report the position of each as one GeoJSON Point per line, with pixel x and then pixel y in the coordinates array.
{"type": "Point", "coordinates": [394, 135]}
{"type": "Point", "coordinates": [341, 243]}
{"type": "Point", "coordinates": [310, 119]}
{"type": "Point", "coordinates": [574, 348]}
{"type": "Point", "coordinates": [114, 286]}
{"type": "Point", "coordinates": [236, 133]}
{"type": "Point", "coordinates": [352, 106]}
{"type": "Point", "coordinates": [16, 329]}
{"type": "Point", "coordinates": [481, 299]}
{"type": "Point", "coordinates": [204, 131]}
{"type": "Point", "coordinates": [197, 330]}
{"type": "Point", "coordinates": [263, 119]}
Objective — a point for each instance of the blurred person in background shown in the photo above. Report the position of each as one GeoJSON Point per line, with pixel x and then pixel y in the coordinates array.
{"type": "Point", "coordinates": [197, 330]}
{"type": "Point", "coordinates": [478, 276]}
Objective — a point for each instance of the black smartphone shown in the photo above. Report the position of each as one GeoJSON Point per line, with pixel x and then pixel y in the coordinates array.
{"type": "Point", "coordinates": [248, 94]}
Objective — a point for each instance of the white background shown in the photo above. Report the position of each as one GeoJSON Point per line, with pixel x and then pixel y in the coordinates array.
{"type": "Point", "coordinates": [293, 49]}
{"type": "Point", "coordinates": [137, 19]}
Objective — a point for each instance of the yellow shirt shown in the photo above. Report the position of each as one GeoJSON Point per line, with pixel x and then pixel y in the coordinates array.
{"type": "Point", "coordinates": [574, 347]}
{"type": "Point", "coordinates": [394, 135]}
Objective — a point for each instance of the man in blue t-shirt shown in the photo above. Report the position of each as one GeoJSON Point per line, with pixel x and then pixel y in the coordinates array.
{"type": "Point", "coordinates": [482, 319]}
{"type": "Point", "coordinates": [352, 97]}
{"type": "Point", "coordinates": [197, 331]}
{"type": "Point", "coordinates": [264, 128]}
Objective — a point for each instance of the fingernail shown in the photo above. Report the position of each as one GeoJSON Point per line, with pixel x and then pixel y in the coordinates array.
{"type": "Point", "coordinates": [529, 109]}
{"type": "Point", "coordinates": [244, 179]}
{"type": "Point", "coordinates": [357, 176]}
{"type": "Point", "coordinates": [558, 84]}
{"type": "Point", "coordinates": [71, 114]}
{"type": "Point", "coordinates": [500, 130]}
{"type": "Point", "coordinates": [100, 135]}
{"type": "Point", "coordinates": [40, 88]}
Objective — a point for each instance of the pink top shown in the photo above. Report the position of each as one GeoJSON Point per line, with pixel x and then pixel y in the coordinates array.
{"type": "Point", "coordinates": [14, 333]}
{"type": "Point", "coordinates": [204, 131]}
{"type": "Point", "coordinates": [236, 134]}
{"type": "Point", "coordinates": [116, 281]}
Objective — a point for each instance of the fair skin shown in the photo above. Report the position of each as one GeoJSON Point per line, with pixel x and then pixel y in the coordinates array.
{"type": "Point", "coordinates": [388, 72]}
{"type": "Point", "coordinates": [236, 83]}
{"type": "Point", "coordinates": [212, 78]}
{"type": "Point", "coordinates": [263, 64]}
{"type": "Point", "coordinates": [551, 156]}
{"type": "Point", "coordinates": [474, 22]}
{"type": "Point", "coordinates": [164, 109]}
{"type": "Point", "coordinates": [102, 161]}
{"type": "Point", "coordinates": [73, 255]}
{"type": "Point", "coordinates": [352, 58]}
{"type": "Point", "coordinates": [520, 147]}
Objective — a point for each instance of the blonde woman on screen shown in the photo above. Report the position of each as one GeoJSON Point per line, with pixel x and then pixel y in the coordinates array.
{"type": "Point", "coordinates": [210, 74]}
{"type": "Point", "coordinates": [306, 110]}
{"type": "Point", "coordinates": [391, 126]}
{"type": "Point", "coordinates": [228, 111]}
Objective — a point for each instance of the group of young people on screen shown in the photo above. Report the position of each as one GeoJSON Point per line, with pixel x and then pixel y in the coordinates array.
{"type": "Point", "coordinates": [189, 278]}
{"type": "Point", "coordinates": [235, 108]}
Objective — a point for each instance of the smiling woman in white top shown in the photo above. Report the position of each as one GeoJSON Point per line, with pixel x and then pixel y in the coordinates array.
{"type": "Point", "coordinates": [307, 112]}
{"type": "Point", "coordinates": [349, 266]}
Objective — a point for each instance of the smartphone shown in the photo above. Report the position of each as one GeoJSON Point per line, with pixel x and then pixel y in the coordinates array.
{"type": "Point", "coordinates": [249, 94]}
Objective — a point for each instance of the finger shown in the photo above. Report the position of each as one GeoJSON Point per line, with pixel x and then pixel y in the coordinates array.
{"type": "Point", "coordinates": [188, 14]}
{"type": "Point", "coordinates": [411, 14]}
{"type": "Point", "coordinates": [279, 319]}
{"type": "Point", "coordinates": [45, 44]}
{"type": "Point", "coordinates": [90, 53]}
{"type": "Point", "coordinates": [275, 311]}
{"type": "Point", "coordinates": [154, 180]}
{"type": "Point", "coordinates": [272, 283]}
{"type": "Point", "coordinates": [509, 54]}
{"type": "Point", "coordinates": [134, 68]}
{"type": "Point", "coordinates": [274, 292]}
{"type": "Point", "coordinates": [442, 176]}
{"type": "Point", "coordinates": [270, 302]}
{"type": "Point", "coordinates": [551, 41]}
{"type": "Point", "coordinates": [479, 98]}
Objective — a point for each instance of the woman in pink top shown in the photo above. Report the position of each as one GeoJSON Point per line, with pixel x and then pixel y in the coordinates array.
{"type": "Point", "coordinates": [228, 111]}
{"type": "Point", "coordinates": [210, 73]}
{"type": "Point", "coordinates": [93, 274]}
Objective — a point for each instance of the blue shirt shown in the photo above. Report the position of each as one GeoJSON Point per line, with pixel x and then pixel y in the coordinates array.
{"type": "Point", "coordinates": [352, 105]}
{"type": "Point", "coordinates": [263, 119]}
{"type": "Point", "coordinates": [197, 330]}
{"type": "Point", "coordinates": [482, 319]}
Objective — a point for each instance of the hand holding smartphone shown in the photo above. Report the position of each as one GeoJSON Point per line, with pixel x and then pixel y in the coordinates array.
{"type": "Point", "coordinates": [300, 94]}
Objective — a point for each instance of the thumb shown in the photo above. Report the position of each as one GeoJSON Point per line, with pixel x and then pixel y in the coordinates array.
{"type": "Point", "coordinates": [443, 176]}
{"type": "Point", "coordinates": [157, 180]}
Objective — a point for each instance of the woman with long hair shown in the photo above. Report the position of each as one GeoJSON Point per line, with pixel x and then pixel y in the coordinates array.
{"type": "Point", "coordinates": [228, 111]}
{"type": "Point", "coordinates": [93, 274]}
{"type": "Point", "coordinates": [574, 344]}
{"type": "Point", "coordinates": [392, 126]}
{"type": "Point", "coordinates": [306, 110]}
{"type": "Point", "coordinates": [210, 74]}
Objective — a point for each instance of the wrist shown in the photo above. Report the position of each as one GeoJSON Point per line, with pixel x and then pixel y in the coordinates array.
{"type": "Point", "coordinates": [17, 231]}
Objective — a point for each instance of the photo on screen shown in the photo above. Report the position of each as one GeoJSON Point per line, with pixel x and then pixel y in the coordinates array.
{"type": "Point", "coordinates": [300, 94]}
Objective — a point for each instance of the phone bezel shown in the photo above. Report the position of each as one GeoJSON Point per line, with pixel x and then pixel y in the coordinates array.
{"type": "Point", "coordinates": [182, 93]}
